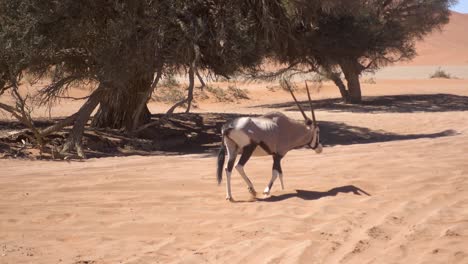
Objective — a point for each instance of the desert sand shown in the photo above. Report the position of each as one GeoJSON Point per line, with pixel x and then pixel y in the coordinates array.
{"type": "Point", "coordinates": [390, 187]}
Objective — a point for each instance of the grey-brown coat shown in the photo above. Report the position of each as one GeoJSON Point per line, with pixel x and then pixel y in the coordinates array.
{"type": "Point", "coordinates": [272, 134]}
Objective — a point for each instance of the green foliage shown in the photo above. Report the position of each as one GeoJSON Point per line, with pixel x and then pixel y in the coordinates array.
{"type": "Point", "coordinates": [372, 33]}
{"type": "Point", "coordinates": [238, 93]}
{"type": "Point", "coordinates": [170, 81]}
{"type": "Point", "coordinates": [370, 80]}
{"type": "Point", "coordinates": [231, 94]}
{"type": "Point", "coordinates": [439, 73]}
{"type": "Point", "coordinates": [122, 44]}
{"type": "Point", "coordinates": [169, 94]}
{"type": "Point", "coordinates": [355, 36]}
{"type": "Point", "coordinates": [218, 93]}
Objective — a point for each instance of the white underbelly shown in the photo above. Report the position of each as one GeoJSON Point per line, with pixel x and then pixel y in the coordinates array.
{"type": "Point", "coordinates": [240, 138]}
{"type": "Point", "coordinates": [258, 152]}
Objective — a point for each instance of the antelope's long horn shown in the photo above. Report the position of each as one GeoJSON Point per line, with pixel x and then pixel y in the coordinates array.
{"type": "Point", "coordinates": [310, 104]}
{"type": "Point", "coordinates": [295, 100]}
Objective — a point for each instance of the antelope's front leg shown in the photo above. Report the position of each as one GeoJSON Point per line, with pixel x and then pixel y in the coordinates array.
{"type": "Point", "coordinates": [267, 190]}
{"type": "Point", "coordinates": [277, 171]}
{"type": "Point", "coordinates": [280, 175]}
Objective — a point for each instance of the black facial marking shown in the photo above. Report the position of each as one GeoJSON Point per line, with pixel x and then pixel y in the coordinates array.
{"type": "Point", "coordinates": [317, 142]}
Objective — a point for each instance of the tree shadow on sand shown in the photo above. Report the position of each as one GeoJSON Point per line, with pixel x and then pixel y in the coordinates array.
{"type": "Point", "coordinates": [342, 134]}
{"type": "Point", "coordinates": [207, 128]}
{"type": "Point", "coordinates": [189, 134]}
{"type": "Point", "coordinates": [313, 195]}
{"type": "Point", "coordinates": [387, 104]}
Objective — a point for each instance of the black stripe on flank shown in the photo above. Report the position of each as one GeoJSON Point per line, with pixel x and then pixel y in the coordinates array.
{"type": "Point", "coordinates": [247, 153]}
{"type": "Point", "coordinates": [265, 148]}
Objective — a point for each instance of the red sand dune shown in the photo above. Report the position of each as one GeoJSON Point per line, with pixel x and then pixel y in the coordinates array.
{"type": "Point", "coordinates": [446, 47]}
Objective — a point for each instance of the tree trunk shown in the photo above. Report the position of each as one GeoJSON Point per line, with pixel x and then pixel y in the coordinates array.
{"type": "Point", "coordinates": [192, 71]}
{"type": "Point", "coordinates": [191, 75]}
{"type": "Point", "coordinates": [190, 89]}
{"type": "Point", "coordinates": [119, 107]}
{"type": "Point", "coordinates": [335, 77]}
{"type": "Point", "coordinates": [146, 97]}
{"type": "Point", "coordinates": [76, 134]}
{"type": "Point", "coordinates": [200, 78]}
{"type": "Point", "coordinates": [189, 98]}
{"type": "Point", "coordinates": [351, 71]}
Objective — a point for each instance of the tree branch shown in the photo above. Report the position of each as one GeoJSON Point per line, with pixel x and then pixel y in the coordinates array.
{"type": "Point", "coordinates": [75, 137]}
{"type": "Point", "coordinates": [54, 89]}
{"type": "Point", "coordinates": [59, 125]}
{"type": "Point", "coordinates": [146, 98]}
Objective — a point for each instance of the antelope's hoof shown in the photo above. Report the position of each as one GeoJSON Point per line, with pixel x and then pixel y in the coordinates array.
{"type": "Point", "coordinates": [229, 199]}
{"type": "Point", "coordinates": [266, 194]}
{"type": "Point", "coordinates": [319, 149]}
{"type": "Point", "coordinates": [252, 191]}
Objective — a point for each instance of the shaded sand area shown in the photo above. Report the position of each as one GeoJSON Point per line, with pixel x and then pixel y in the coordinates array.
{"type": "Point", "coordinates": [391, 187]}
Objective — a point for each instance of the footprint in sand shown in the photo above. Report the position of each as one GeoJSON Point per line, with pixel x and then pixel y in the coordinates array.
{"type": "Point", "coordinates": [378, 233]}
{"type": "Point", "coordinates": [451, 233]}
{"type": "Point", "coordinates": [361, 245]}
{"type": "Point", "coordinates": [59, 217]}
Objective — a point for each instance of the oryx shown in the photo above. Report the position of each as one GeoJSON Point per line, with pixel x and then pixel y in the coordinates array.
{"type": "Point", "coordinates": [272, 134]}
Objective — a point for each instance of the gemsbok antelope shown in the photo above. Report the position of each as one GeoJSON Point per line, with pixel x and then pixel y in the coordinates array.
{"type": "Point", "coordinates": [271, 134]}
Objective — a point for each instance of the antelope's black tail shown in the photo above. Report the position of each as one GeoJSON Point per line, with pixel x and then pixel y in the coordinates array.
{"type": "Point", "coordinates": [222, 151]}
{"type": "Point", "coordinates": [221, 158]}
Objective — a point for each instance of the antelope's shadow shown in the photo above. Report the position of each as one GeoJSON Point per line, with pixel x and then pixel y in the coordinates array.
{"type": "Point", "coordinates": [314, 195]}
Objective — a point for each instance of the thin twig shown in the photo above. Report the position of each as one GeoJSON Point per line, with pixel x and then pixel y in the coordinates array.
{"type": "Point", "coordinates": [73, 98]}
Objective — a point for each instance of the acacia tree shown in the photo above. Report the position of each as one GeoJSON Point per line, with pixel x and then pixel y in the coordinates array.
{"type": "Point", "coordinates": [74, 41]}
{"type": "Point", "coordinates": [108, 43]}
{"type": "Point", "coordinates": [222, 37]}
{"type": "Point", "coordinates": [351, 37]}
{"type": "Point", "coordinates": [124, 47]}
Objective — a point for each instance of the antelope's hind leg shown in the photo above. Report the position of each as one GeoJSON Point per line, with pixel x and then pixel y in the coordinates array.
{"type": "Point", "coordinates": [246, 154]}
{"type": "Point", "coordinates": [232, 154]}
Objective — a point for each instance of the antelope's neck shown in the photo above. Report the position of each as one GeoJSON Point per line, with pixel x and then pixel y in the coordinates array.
{"type": "Point", "coordinates": [300, 136]}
